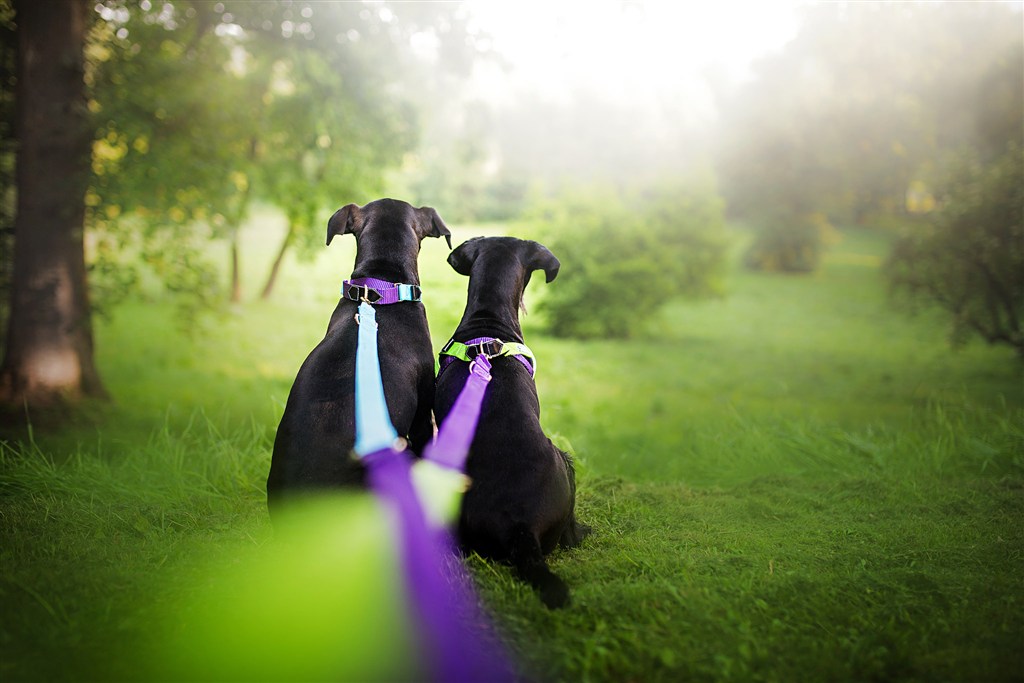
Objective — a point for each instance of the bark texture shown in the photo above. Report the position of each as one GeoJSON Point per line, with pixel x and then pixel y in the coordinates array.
{"type": "Point", "coordinates": [49, 342]}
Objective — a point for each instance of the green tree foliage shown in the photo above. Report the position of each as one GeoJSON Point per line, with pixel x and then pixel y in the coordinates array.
{"type": "Point", "coordinates": [626, 253]}
{"type": "Point", "coordinates": [970, 259]}
{"type": "Point", "coordinates": [203, 107]}
{"type": "Point", "coordinates": [865, 101]}
{"type": "Point", "coordinates": [453, 165]}
{"type": "Point", "coordinates": [333, 112]}
{"type": "Point", "coordinates": [165, 145]}
{"type": "Point", "coordinates": [193, 113]}
{"type": "Point", "coordinates": [326, 123]}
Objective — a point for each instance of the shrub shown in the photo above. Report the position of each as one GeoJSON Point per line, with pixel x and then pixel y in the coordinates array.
{"type": "Point", "coordinates": [623, 251]}
{"type": "Point", "coordinates": [791, 243]}
{"type": "Point", "coordinates": [970, 259]}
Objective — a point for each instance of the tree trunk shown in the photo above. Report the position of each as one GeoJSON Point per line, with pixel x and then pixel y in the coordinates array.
{"type": "Point", "coordinates": [236, 224]}
{"type": "Point", "coordinates": [49, 350]}
{"type": "Point", "coordinates": [272, 278]}
{"type": "Point", "coordinates": [236, 280]}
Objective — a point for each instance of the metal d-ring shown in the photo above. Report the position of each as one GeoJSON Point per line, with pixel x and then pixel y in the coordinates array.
{"type": "Point", "coordinates": [483, 346]}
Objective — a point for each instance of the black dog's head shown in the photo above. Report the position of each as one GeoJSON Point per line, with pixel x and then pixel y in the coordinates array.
{"type": "Point", "coordinates": [504, 252]}
{"type": "Point", "coordinates": [388, 233]}
{"type": "Point", "coordinates": [500, 268]}
{"type": "Point", "coordinates": [389, 221]}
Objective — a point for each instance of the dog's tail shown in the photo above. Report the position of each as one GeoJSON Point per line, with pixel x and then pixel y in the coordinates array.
{"type": "Point", "coordinates": [528, 561]}
{"type": "Point", "coordinates": [574, 532]}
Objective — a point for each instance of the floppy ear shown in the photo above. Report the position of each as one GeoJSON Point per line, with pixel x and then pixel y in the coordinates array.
{"type": "Point", "coordinates": [464, 255]}
{"type": "Point", "coordinates": [429, 224]}
{"type": "Point", "coordinates": [540, 258]}
{"type": "Point", "coordinates": [343, 221]}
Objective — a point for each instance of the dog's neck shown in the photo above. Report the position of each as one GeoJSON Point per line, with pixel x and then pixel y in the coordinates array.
{"type": "Point", "coordinates": [389, 269]}
{"type": "Point", "coordinates": [492, 308]}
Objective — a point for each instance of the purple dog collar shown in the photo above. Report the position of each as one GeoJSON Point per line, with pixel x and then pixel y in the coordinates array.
{"type": "Point", "coordinates": [375, 291]}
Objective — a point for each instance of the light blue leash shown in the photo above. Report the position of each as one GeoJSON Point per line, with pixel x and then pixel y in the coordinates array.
{"type": "Point", "coordinates": [374, 430]}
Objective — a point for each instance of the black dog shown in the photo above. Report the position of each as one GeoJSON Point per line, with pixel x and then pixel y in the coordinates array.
{"type": "Point", "coordinates": [317, 431]}
{"type": "Point", "coordinates": [521, 502]}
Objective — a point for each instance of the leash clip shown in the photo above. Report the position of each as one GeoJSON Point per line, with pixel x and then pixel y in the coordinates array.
{"type": "Point", "coordinates": [481, 367]}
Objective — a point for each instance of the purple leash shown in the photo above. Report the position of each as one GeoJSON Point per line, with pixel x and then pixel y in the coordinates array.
{"type": "Point", "coordinates": [451, 624]}
{"type": "Point", "coordinates": [454, 436]}
{"type": "Point", "coordinates": [445, 609]}
{"type": "Point", "coordinates": [451, 446]}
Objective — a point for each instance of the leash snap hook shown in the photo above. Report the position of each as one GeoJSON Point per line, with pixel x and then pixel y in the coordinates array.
{"type": "Point", "coordinates": [481, 367]}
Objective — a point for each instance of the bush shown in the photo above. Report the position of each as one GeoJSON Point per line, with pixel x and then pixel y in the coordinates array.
{"type": "Point", "coordinates": [790, 243]}
{"type": "Point", "coordinates": [625, 254]}
{"type": "Point", "coordinates": [970, 259]}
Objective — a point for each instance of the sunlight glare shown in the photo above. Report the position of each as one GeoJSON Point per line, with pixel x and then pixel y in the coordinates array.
{"type": "Point", "coordinates": [627, 49]}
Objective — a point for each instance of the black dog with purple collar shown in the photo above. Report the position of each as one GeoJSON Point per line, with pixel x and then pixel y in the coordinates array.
{"type": "Point", "coordinates": [314, 440]}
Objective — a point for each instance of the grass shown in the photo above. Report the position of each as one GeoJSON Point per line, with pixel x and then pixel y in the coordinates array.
{"type": "Point", "coordinates": [793, 483]}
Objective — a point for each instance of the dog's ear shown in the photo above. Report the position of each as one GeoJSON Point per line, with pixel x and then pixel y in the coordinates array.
{"type": "Point", "coordinates": [540, 257]}
{"type": "Point", "coordinates": [344, 221]}
{"type": "Point", "coordinates": [429, 224]}
{"type": "Point", "coordinates": [464, 255]}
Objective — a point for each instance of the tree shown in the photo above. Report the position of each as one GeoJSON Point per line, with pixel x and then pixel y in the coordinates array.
{"type": "Point", "coordinates": [49, 348]}
{"type": "Point", "coordinates": [324, 138]}
{"type": "Point", "coordinates": [324, 116]}
{"type": "Point", "coordinates": [205, 107]}
{"type": "Point", "coordinates": [167, 150]}
{"type": "Point", "coordinates": [970, 261]}
{"type": "Point", "coordinates": [8, 66]}
{"type": "Point", "coordinates": [862, 104]}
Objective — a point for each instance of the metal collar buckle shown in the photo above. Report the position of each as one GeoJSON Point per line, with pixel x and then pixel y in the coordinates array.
{"type": "Point", "coordinates": [363, 293]}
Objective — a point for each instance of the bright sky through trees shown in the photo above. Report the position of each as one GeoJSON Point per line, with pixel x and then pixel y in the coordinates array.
{"type": "Point", "coordinates": [649, 50]}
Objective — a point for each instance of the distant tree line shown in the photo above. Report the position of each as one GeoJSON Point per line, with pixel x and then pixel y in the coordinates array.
{"type": "Point", "coordinates": [899, 116]}
{"type": "Point", "coordinates": [863, 107]}
{"type": "Point", "coordinates": [902, 115]}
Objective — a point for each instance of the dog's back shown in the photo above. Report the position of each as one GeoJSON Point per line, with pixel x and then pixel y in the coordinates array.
{"type": "Point", "coordinates": [520, 505]}
{"type": "Point", "coordinates": [313, 447]}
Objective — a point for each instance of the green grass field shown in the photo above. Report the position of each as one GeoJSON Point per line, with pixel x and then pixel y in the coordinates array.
{"type": "Point", "coordinates": [793, 483]}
